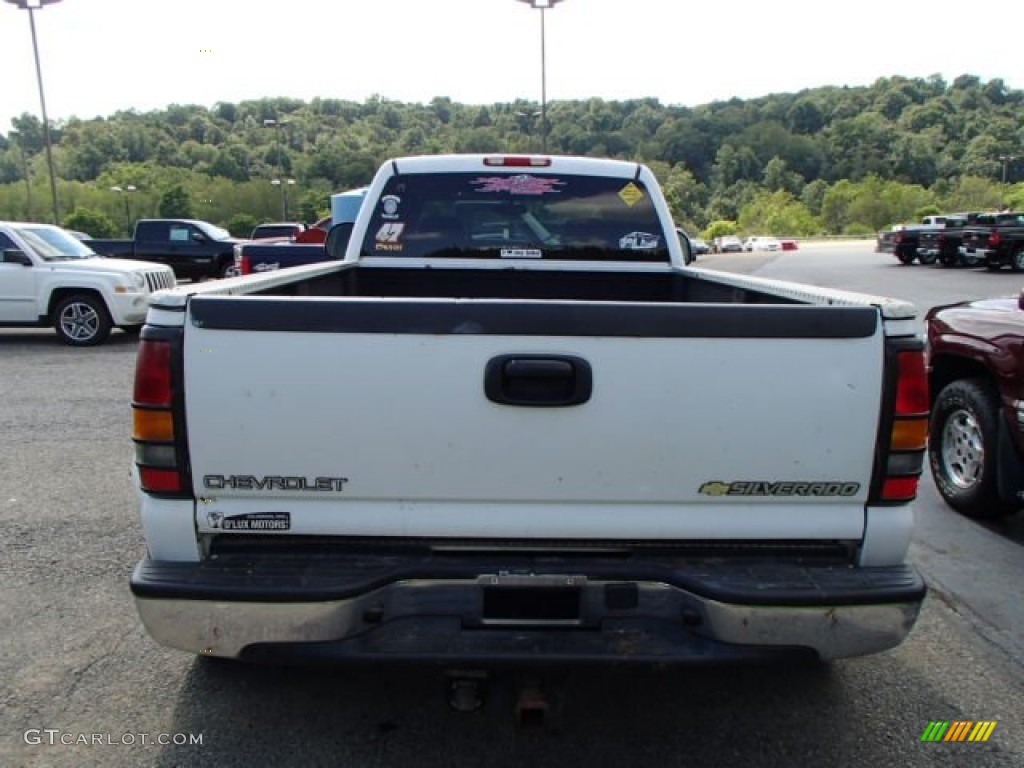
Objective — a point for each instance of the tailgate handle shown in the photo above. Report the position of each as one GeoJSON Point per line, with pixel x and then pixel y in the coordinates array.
{"type": "Point", "coordinates": [538, 380]}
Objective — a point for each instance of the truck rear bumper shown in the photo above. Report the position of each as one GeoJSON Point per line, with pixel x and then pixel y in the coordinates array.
{"type": "Point", "coordinates": [462, 613]}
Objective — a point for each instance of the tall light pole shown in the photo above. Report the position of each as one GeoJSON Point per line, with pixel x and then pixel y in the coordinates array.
{"type": "Point", "coordinates": [28, 180]}
{"type": "Point", "coordinates": [543, 5]}
{"type": "Point", "coordinates": [529, 117]}
{"type": "Point", "coordinates": [31, 6]}
{"type": "Point", "coordinates": [284, 184]}
{"type": "Point", "coordinates": [126, 191]}
{"type": "Point", "coordinates": [271, 123]}
{"type": "Point", "coordinates": [1007, 159]}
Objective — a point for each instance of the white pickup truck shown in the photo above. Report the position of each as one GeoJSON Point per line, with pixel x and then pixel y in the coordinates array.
{"type": "Point", "coordinates": [512, 425]}
{"type": "Point", "coordinates": [49, 277]}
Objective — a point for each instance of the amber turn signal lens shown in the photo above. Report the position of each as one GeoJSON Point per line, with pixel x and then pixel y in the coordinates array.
{"type": "Point", "coordinates": [152, 425]}
{"type": "Point", "coordinates": [909, 435]}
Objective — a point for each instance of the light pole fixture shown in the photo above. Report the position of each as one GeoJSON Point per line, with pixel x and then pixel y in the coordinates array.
{"type": "Point", "coordinates": [31, 6]}
{"type": "Point", "coordinates": [284, 184]}
{"type": "Point", "coordinates": [1007, 159]}
{"type": "Point", "coordinates": [543, 5]}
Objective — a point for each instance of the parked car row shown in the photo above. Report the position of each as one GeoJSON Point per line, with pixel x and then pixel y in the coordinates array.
{"type": "Point", "coordinates": [733, 244]}
{"type": "Point", "coordinates": [970, 239]}
{"type": "Point", "coordinates": [727, 244]}
{"type": "Point", "coordinates": [84, 287]}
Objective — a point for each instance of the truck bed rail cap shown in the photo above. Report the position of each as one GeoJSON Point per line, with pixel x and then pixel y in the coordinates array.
{"type": "Point", "coordinates": [176, 298]}
{"type": "Point", "coordinates": [892, 309]}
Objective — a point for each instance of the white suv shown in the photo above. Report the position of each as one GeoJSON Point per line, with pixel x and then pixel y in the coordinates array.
{"type": "Point", "coordinates": [49, 277]}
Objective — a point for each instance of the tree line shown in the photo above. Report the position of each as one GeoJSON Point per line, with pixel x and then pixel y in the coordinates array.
{"type": "Point", "coordinates": [830, 160]}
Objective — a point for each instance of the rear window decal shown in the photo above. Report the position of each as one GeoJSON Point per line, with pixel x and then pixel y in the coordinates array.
{"type": "Point", "coordinates": [389, 206]}
{"type": "Point", "coordinates": [639, 241]}
{"type": "Point", "coordinates": [521, 253]}
{"type": "Point", "coordinates": [390, 232]}
{"type": "Point", "coordinates": [631, 194]}
{"type": "Point", "coordinates": [522, 184]}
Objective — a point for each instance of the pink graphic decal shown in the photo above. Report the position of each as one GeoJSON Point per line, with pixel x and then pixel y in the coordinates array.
{"type": "Point", "coordinates": [518, 185]}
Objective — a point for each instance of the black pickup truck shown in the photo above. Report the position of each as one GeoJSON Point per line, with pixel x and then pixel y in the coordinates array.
{"type": "Point", "coordinates": [998, 240]}
{"type": "Point", "coordinates": [946, 241]}
{"type": "Point", "coordinates": [193, 249]}
{"type": "Point", "coordinates": [902, 241]}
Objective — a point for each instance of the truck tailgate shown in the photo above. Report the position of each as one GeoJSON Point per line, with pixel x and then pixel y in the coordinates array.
{"type": "Point", "coordinates": [372, 417]}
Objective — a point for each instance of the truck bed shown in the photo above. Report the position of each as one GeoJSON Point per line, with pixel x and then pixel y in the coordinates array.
{"type": "Point", "coordinates": [423, 341]}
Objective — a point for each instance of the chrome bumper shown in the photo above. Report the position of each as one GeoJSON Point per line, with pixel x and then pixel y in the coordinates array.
{"type": "Point", "coordinates": [438, 619]}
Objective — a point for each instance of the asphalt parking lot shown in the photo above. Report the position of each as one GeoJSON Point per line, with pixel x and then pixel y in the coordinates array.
{"type": "Point", "coordinates": [75, 660]}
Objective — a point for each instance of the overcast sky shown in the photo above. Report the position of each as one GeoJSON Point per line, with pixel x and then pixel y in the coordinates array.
{"type": "Point", "coordinates": [101, 56]}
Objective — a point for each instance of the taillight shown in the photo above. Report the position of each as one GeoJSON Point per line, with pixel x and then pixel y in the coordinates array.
{"type": "Point", "coordinates": [898, 239]}
{"type": "Point", "coordinates": [517, 161]}
{"type": "Point", "coordinates": [994, 239]}
{"type": "Point", "coordinates": [153, 432]}
{"type": "Point", "coordinates": [908, 437]}
{"type": "Point", "coordinates": [153, 374]}
{"type": "Point", "coordinates": [245, 265]}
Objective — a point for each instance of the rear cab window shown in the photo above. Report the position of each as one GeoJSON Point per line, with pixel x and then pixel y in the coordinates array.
{"type": "Point", "coordinates": [274, 230]}
{"type": "Point", "coordinates": [530, 215]}
{"type": "Point", "coordinates": [152, 231]}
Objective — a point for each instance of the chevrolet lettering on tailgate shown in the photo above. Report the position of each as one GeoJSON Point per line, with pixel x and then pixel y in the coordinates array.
{"type": "Point", "coordinates": [273, 483]}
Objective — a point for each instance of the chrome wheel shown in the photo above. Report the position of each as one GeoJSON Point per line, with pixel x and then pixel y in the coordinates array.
{"type": "Point", "coordinates": [963, 449]}
{"type": "Point", "coordinates": [79, 321]}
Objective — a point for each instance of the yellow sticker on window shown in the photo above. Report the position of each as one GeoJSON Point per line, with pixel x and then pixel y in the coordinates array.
{"type": "Point", "coordinates": [631, 194]}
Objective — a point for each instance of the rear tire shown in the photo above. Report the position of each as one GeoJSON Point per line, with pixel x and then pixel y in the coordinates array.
{"type": "Point", "coordinates": [1017, 261]}
{"type": "Point", "coordinates": [905, 258]}
{"type": "Point", "coordinates": [81, 320]}
{"type": "Point", "coordinates": [227, 269]}
{"type": "Point", "coordinates": [963, 447]}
